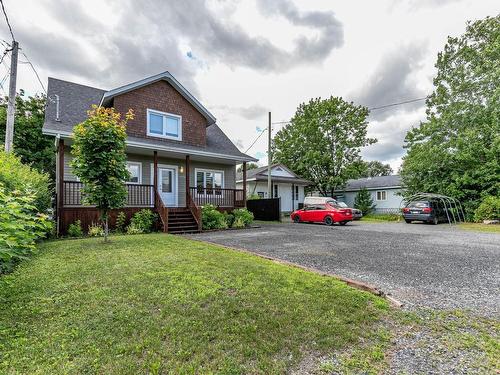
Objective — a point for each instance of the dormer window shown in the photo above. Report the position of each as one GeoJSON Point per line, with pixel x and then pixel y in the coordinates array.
{"type": "Point", "coordinates": [164, 125]}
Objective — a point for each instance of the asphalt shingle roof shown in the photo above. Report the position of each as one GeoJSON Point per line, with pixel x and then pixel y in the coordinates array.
{"type": "Point", "coordinates": [260, 173]}
{"type": "Point", "coordinates": [75, 100]}
{"type": "Point", "coordinates": [373, 183]}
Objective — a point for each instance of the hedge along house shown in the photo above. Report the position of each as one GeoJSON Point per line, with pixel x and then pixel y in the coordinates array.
{"type": "Point", "coordinates": [385, 191]}
{"type": "Point", "coordinates": [177, 156]}
{"type": "Point", "coordinates": [285, 184]}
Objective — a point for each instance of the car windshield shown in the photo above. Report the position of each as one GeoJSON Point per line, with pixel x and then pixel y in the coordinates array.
{"type": "Point", "coordinates": [342, 204]}
{"type": "Point", "coordinates": [418, 204]}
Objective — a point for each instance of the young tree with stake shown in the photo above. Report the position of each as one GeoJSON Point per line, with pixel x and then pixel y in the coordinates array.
{"type": "Point", "coordinates": [99, 160]}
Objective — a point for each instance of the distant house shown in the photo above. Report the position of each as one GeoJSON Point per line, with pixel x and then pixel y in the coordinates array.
{"type": "Point", "coordinates": [285, 185]}
{"type": "Point", "coordinates": [384, 190]}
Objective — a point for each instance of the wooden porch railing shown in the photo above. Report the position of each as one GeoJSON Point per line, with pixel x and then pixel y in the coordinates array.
{"type": "Point", "coordinates": [195, 210]}
{"type": "Point", "coordinates": [138, 195]}
{"type": "Point", "coordinates": [217, 196]}
{"type": "Point", "coordinates": [162, 210]}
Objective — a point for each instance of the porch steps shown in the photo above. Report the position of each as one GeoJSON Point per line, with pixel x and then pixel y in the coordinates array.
{"type": "Point", "coordinates": [181, 221]}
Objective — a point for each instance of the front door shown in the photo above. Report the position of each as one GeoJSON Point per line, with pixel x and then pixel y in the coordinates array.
{"type": "Point", "coordinates": [167, 185]}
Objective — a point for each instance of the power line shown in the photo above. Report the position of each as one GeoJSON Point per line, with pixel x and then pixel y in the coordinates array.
{"type": "Point", "coordinates": [398, 103]}
{"type": "Point", "coordinates": [7, 20]}
{"type": "Point", "coordinates": [34, 70]}
{"type": "Point", "coordinates": [256, 139]}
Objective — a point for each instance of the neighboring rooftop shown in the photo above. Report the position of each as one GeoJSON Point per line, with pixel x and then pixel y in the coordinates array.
{"type": "Point", "coordinates": [392, 181]}
{"type": "Point", "coordinates": [279, 173]}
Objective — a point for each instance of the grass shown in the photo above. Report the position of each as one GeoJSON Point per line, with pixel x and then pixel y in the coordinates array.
{"type": "Point", "coordinates": [480, 227]}
{"type": "Point", "coordinates": [381, 217]}
{"type": "Point", "coordinates": [164, 304]}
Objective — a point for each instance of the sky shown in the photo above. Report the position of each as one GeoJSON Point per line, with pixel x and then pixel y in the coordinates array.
{"type": "Point", "coordinates": [244, 58]}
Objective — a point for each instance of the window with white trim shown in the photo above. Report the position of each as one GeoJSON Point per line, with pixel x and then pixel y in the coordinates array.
{"type": "Point", "coordinates": [164, 125]}
{"type": "Point", "coordinates": [135, 170]}
{"type": "Point", "coordinates": [382, 195]}
{"type": "Point", "coordinates": [209, 180]}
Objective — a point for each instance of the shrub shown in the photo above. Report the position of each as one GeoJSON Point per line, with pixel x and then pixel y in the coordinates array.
{"type": "Point", "coordinates": [244, 215]}
{"type": "Point", "coordinates": [96, 230]}
{"type": "Point", "coordinates": [143, 220]}
{"type": "Point", "coordinates": [211, 218]}
{"type": "Point", "coordinates": [75, 229]}
{"type": "Point", "coordinates": [16, 176]}
{"type": "Point", "coordinates": [364, 202]}
{"type": "Point", "coordinates": [239, 223]}
{"type": "Point", "coordinates": [20, 227]}
{"type": "Point", "coordinates": [134, 229]}
{"type": "Point", "coordinates": [489, 209]}
{"type": "Point", "coordinates": [120, 222]}
{"type": "Point", "coordinates": [253, 197]}
{"type": "Point", "coordinates": [229, 218]}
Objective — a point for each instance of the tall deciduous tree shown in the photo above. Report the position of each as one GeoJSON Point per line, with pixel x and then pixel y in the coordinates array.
{"type": "Point", "coordinates": [455, 151]}
{"type": "Point", "coordinates": [99, 160]}
{"type": "Point", "coordinates": [30, 144]}
{"type": "Point", "coordinates": [322, 141]}
{"type": "Point", "coordinates": [249, 166]}
{"type": "Point", "coordinates": [371, 169]}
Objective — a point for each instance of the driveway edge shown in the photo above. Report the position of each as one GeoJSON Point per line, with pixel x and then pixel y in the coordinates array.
{"type": "Point", "coordinates": [353, 283]}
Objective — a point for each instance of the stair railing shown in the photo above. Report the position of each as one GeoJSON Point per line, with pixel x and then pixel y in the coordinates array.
{"type": "Point", "coordinates": [162, 210]}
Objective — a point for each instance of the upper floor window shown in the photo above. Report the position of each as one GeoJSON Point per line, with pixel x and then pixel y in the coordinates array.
{"type": "Point", "coordinates": [164, 125]}
{"type": "Point", "coordinates": [134, 169]}
{"type": "Point", "coordinates": [382, 195]}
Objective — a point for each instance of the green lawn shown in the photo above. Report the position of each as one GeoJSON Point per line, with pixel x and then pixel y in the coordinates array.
{"type": "Point", "coordinates": [479, 227]}
{"type": "Point", "coordinates": [381, 217]}
{"type": "Point", "coordinates": [164, 304]}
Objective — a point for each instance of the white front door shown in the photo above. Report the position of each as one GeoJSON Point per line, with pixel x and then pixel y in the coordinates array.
{"type": "Point", "coordinates": [167, 185]}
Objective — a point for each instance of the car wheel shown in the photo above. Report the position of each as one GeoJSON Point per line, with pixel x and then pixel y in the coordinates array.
{"type": "Point", "coordinates": [408, 221]}
{"type": "Point", "coordinates": [343, 223]}
{"type": "Point", "coordinates": [296, 219]}
{"type": "Point", "coordinates": [328, 220]}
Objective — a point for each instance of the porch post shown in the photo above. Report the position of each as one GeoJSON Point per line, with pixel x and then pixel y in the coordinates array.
{"type": "Point", "coordinates": [244, 184]}
{"type": "Point", "coordinates": [155, 173]}
{"type": "Point", "coordinates": [60, 198]}
{"type": "Point", "coordinates": [188, 177]}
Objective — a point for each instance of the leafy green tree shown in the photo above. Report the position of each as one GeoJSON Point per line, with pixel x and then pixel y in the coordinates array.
{"type": "Point", "coordinates": [30, 144]}
{"type": "Point", "coordinates": [99, 160]}
{"type": "Point", "coordinates": [364, 202]}
{"type": "Point", "coordinates": [322, 141]}
{"type": "Point", "coordinates": [363, 169]}
{"type": "Point", "coordinates": [455, 151]}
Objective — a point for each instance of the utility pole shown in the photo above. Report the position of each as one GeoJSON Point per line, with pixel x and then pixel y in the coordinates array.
{"type": "Point", "coordinates": [269, 160]}
{"type": "Point", "coordinates": [11, 106]}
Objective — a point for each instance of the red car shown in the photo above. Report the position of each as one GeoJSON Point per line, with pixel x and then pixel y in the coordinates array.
{"type": "Point", "coordinates": [322, 213]}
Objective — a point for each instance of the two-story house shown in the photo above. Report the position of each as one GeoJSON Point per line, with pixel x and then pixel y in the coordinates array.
{"type": "Point", "coordinates": [177, 156]}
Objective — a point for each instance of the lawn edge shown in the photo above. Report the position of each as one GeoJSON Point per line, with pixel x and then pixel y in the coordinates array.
{"type": "Point", "coordinates": [360, 285]}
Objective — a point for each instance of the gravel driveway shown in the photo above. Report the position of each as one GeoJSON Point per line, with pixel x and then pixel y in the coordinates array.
{"type": "Point", "coordinates": [420, 265]}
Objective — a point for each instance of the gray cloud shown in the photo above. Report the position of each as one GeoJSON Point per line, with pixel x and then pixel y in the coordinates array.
{"type": "Point", "coordinates": [145, 42]}
{"type": "Point", "coordinates": [393, 81]}
{"type": "Point", "coordinates": [252, 112]}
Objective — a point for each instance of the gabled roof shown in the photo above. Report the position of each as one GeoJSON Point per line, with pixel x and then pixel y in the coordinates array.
{"type": "Point", "coordinates": [260, 174]}
{"type": "Point", "coordinates": [165, 76]}
{"type": "Point", "coordinates": [393, 181]}
{"type": "Point", "coordinates": [75, 100]}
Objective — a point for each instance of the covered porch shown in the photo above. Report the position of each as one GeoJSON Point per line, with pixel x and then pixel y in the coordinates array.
{"type": "Point", "coordinates": [163, 182]}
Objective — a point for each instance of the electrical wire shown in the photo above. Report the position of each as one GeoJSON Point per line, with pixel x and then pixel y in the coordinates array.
{"type": "Point", "coordinates": [256, 139]}
{"type": "Point", "coordinates": [7, 20]}
{"type": "Point", "coordinates": [398, 103]}
{"type": "Point", "coordinates": [34, 70]}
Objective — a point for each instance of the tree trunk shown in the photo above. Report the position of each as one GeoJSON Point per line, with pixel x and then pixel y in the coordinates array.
{"type": "Point", "coordinates": [106, 227]}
